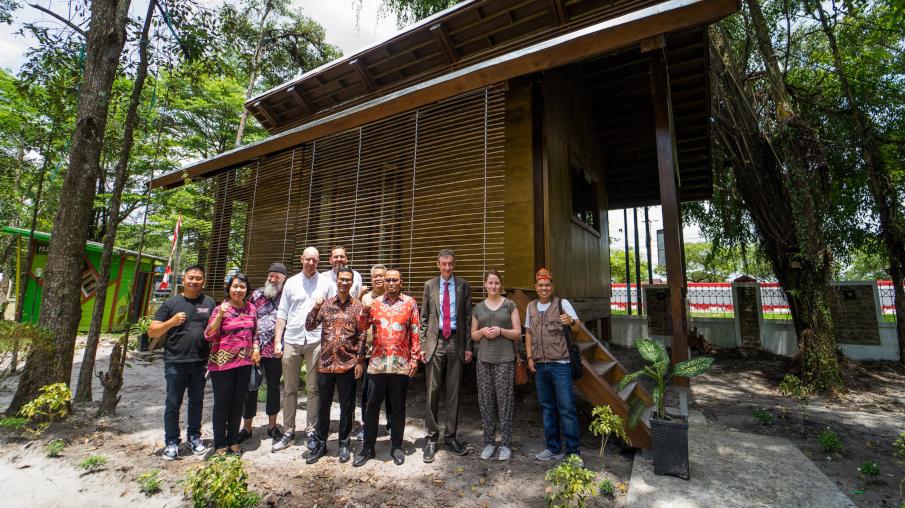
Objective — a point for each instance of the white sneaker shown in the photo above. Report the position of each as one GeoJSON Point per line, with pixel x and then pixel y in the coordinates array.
{"type": "Point", "coordinates": [505, 453]}
{"type": "Point", "coordinates": [547, 456]}
{"type": "Point", "coordinates": [488, 451]}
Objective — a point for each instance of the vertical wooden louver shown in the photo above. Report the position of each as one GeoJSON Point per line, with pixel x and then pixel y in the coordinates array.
{"type": "Point", "coordinates": [394, 192]}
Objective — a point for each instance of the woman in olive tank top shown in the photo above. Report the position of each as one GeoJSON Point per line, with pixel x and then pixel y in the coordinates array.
{"type": "Point", "coordinates": [496, 327]}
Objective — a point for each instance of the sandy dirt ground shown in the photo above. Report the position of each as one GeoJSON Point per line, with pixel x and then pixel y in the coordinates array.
{"type": "Point", "coordinates": [867, 419]}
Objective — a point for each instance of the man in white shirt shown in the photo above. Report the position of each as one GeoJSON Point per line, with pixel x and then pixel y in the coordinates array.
{"type": "Point", "coordinates": [338, 260]}
{"type": "Point", "coordinates": [294, 343]}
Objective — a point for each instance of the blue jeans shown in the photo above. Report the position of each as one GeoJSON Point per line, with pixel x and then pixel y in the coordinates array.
{"type": "Point", "coordinates": [557, 400]}
{"type": "Point", "coordinates": [181, 377]}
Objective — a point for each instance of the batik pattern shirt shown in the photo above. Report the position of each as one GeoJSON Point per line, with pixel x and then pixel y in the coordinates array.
{"type": "Point", "coordinates": [266, 311]}
{"type": "Point", "coordinates": [231, 344]}
{"type": "Point", "coordinates": [342, 336]}
{"type": "Point", "coordinates": [397, 338]}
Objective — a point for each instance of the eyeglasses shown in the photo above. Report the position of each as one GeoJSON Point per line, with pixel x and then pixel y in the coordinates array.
{"type": "Point", "coordinates": [390, 280]}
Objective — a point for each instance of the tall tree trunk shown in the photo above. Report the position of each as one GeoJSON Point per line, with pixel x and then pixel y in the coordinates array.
{"type": "Point", "coordinates": [779, 178]}
{"type": "Point", "coordinates": [255, 62]}
{"type": "Point", "coordinates": [83, 390]}
{"type": "Point", "coordinates": [884, 193]}
{"type": "Point", "coordinates": [60, 308]}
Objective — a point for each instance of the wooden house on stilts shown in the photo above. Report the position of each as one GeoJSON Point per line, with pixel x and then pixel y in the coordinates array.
{"type": "Point", "coordinates": [503, 129]}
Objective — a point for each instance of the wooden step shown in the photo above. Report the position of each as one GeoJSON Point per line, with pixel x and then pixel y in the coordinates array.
{"type": "Point", "coordinates": [603, 369]}
{"type": "Point", "coordinates": [626, 392]}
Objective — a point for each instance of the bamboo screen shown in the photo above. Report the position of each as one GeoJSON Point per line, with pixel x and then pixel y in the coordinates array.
{"type": "Point", "coordinates": [395, 192]}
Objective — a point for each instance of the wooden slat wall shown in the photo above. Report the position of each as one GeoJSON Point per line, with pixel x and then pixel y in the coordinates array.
{"type": "Point", "coordinates": [393, 192]}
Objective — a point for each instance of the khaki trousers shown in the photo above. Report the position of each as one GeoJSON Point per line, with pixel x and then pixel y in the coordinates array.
{"type": "Point", "coordinates": [293, 355]}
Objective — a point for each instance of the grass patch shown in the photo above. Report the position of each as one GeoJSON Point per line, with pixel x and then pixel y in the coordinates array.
{"type": "Point", "coordinates": [93, 463]}
{"type": "Point", "coordinates": [55, 447]}
{"type": "Point", "coordinates": [13, 422]}
{"type": "Point", "coordinates": [149, 483]}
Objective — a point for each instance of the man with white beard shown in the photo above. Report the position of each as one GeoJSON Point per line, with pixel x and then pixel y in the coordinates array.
{"type": "Point", "coordinates": [266, 301]}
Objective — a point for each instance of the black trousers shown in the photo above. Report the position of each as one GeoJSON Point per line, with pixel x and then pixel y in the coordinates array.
{"type": "Point", "coordinates": [365, 392]}
{"type": "Point", "coordinates": [273, 369]}
{"type": "Point", "coordinates": [345, 383]}
{"type": "Point", "coordinates": [230, 390]}
{"type": "Point", "coordinates": [391, 387]}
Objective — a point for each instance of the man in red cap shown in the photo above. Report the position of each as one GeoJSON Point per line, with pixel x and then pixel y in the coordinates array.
{"type": "Point", "coordinates": [546, 320]}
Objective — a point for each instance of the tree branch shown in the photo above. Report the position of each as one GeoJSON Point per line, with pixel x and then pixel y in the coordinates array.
{"type": "Point", "coordinates": [65, 21]}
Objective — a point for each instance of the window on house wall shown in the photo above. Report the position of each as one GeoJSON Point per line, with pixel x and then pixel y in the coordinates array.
{"type": "Point", "coordinates": [584, 196]}
{"type": "Point", "coordinates": [90, 281]}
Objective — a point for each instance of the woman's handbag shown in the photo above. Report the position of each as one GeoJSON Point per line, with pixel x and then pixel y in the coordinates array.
{"type": "Point", "coordinates": [574, 352]}
{"type": "Point", "coordinates": [521, 370]}
{"type": "Point", "coordinates": [257, 375]}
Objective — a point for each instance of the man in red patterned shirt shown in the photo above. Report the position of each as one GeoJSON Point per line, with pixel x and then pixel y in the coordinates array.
{"type": "Point", "coordinates": [395, 354]}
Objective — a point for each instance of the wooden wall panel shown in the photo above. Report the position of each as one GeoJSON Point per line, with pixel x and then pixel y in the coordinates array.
{"type": "Point", "coordinates": [579, 258]}
{"type": "Point", "coordinates": [519, 192]}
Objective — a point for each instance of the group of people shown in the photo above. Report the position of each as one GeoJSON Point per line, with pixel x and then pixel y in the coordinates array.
{"type": "Point", "coordinates": [343, 333]}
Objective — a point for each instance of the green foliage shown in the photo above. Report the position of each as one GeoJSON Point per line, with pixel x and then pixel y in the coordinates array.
{"type": "Point", "coordinates": [870, 470]}
{"type": "Point", "coordinates": [93, 463]}
{"type": "Point", "coordinates": [794, 388]}
{"type": "Point", "coordinates": [898, 448]}
{"type": "Point", "coordinates": [409, 11]}
{"type": "Point", "coordinates": [149, 483]}
{"type": "Point", "coordinates": [830, 441]}
{"type": "Point", "coordinates": [571, 484]}
{"type": "Point", "coordinates": [13, 422]}
{"type": "Point", "coordinates": [662, 373]}
{"type": "Point", "coordinates": [28, 334]}
{"type": "Point", "coordinates": [606, 487]}
{"type": "Point", "coordinates": [221, 481]}
{"type": "Point", "coordinates": [141, 326]}
{"type": "Point", "coordinates": [50, 405]}
{"type": "Point", "coordinates": [606, 423]}
{"type": "Point", "coordinates": [763, 416]}
{"type": "Point", "coordinates": [55, 447]}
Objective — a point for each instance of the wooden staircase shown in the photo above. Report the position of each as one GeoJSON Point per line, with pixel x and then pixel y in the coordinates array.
{"type": "Point", "coordinates": [601, 373]}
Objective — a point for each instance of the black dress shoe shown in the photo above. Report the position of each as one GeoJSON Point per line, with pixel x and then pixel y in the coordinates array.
{"type": "Point", "coordinates": [243, 435]}
{"type": "Point", "coordinates": [344, 453]}
{"type": "Point", "coordinates": [455, 446]}
{"type": "Point", "coordinates": [319, 451]}
{"type": "Point", "coordinates": [398, 456]}
{"type": "Point", "coordinates": [363, 457]}
{"type": "Point", "coordinates": [430, 449]}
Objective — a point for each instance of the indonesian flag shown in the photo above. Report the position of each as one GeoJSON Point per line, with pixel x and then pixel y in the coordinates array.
{"type": "Point", "coordinates": [165, 284]}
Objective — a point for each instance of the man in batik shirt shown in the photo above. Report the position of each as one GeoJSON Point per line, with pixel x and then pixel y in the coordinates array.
{"type": "Point", "coordinates": [340, 363]}
{"type": "Point", "coordinates": [395, 354]}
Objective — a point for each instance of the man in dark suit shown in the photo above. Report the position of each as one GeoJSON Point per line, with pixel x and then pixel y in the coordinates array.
{"type": "Point", "coordinates": [446, 344]}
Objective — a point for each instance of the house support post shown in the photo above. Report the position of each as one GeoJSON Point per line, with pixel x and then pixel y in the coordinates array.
{"type": "Point", "coordinates": [668, 171]}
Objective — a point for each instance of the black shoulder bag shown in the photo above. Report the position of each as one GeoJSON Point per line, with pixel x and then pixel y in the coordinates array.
{"type": "Point", "coordinates": [574, 352]}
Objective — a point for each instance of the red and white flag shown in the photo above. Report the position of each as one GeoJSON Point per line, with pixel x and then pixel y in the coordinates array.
{"type": "Point", "coordinates": [165, 284]}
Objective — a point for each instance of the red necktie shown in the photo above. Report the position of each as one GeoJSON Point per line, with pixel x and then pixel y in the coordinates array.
{"type": "Point", "coordinates": [447, 326]}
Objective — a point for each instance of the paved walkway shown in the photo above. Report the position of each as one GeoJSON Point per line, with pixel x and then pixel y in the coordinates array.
{"type": "Point", "coordinates": [735, 469]}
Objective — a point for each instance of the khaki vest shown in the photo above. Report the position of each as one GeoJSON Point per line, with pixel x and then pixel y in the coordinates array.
{"type": "Point", "coordinates": [548, 342]}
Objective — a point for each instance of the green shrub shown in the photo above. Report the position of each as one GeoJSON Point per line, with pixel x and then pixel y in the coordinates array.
{"type": "Point", "coordinates": [572, 485]}
{"type": "Point", "coordinates": [763, 416]}
{"type": "Point", "coordinates": [54, 447]}
{"type": "Point", "coordinates": [830, 442]}
{"type": "Point", "coordinates": [13, 422]}
{"type": "Point", "coordinates": [869, 470]}
{"type": "Point", "coordinates": [606, 423]}
{"type": "Point", "coordinates": [149, 483]}
{"type": "Point", "coordinates": [52, 404]}
{"type": "Point", "coordinates": [93, 463]}
{"type": "Point", "coordinates": [606, 487]}
{"type": "Point", "coordinates": [220, 482]}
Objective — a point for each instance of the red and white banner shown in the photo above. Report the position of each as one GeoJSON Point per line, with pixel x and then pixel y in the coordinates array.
{"type": "Point", "coordinates": [165, 284]}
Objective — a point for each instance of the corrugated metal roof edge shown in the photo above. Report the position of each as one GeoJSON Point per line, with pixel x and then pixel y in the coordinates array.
{"type": "Point", "coordinates": [89, 245]}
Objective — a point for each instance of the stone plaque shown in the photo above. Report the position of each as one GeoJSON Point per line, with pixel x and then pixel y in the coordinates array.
{"type": "Point", "coordinates": [659, 321]}
{"type": "Point", "coordinates": [854, 311]}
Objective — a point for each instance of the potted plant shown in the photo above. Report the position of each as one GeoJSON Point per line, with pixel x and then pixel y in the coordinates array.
{"type": "Point", "coordinates": [669, 433]}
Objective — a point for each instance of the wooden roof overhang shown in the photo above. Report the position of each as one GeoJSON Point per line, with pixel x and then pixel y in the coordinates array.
{"type": "Point", "coordinates": [623, 119]}
{"type": "Point", "coordinates": [624, 28]}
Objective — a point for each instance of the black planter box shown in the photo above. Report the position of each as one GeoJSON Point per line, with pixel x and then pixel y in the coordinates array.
{"type": "Point", "coordinates": [670, 446]}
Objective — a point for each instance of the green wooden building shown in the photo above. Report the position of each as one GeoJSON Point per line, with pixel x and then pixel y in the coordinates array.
{"type": "Point", "coordinates": [122, 270]}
